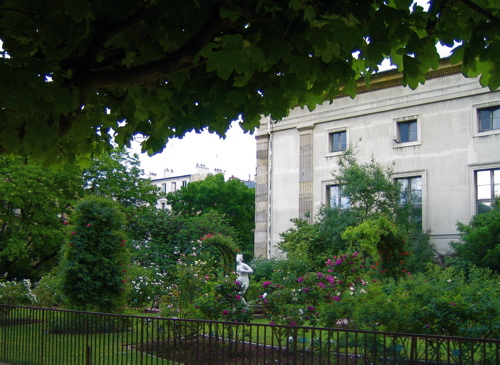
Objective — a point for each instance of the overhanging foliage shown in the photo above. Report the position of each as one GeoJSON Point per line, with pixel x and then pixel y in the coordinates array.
{"type": "Point", "coordinates": [75, 75]}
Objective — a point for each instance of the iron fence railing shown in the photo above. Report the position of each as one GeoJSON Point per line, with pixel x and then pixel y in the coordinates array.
{"type": "Point", "coordinates": [41, 336]}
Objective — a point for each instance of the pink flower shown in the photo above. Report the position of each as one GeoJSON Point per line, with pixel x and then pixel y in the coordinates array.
{"type": "Point", "coordinates": [225, 312]}
{"type": "Point", "coordinates": [336, 298]}
{"type": "Point", "coordinates": [271, 322]}
{"type": "Point", "coordinates": [73, 232]}
{"type": "Point", "coordinates": [238, 297]}
{"type": "Point", "coordinates": [301, 279]}
{"type": "Point", "coordinates": [452, 303]}
{"type": "Point", "coordinates": [310, 308]}
{"type": "Point", "coordinates": [88, 224]}
{"type": "Point", "coordinates": [65, 222]}
{"type": "Point", "coordinates": [321, 285]}
{"type": "Point", "coordinates": [292, 323]}
{"type": "Point", "coordinates": [265, 284]}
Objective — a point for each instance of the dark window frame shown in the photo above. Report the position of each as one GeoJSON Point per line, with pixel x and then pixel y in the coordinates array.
{"type": "Point", "coordinates": [488, 119]}
{"type": "Point", "coordinates": [338, 145]}
{"type": "Point", "coordinates": [409, 135]}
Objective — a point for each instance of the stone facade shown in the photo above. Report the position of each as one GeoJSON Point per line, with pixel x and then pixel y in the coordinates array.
{"type": "Point", "coordinates": [432, 136]}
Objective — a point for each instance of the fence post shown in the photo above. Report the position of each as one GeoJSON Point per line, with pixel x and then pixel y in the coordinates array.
{"type": "Point", "coordinates": [88, 359]}
{"type": "Point", "coordinates": [413, 350]}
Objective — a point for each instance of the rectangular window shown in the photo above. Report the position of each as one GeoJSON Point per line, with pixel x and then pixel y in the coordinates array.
{"type": "Point", "coordinates": [487, 188]}
{"type": "Point", "coordinates": [164, 188]}
{"type": "Point", "coordinates": [489, 119]}
{"type": "Point", "coordinates": [184, 183]}
{"type": "Point", "coordinates": [174, 186]}
{"type": "Point", "coordinates": [410, 195]}
{"type": "Point", "coordinates": [407, 131]}
{"type": "Point", "coordinates": [162, 205]}
{"type": "Point", "coordinates": [335, 198]}
{"type": "Point", "coordinates": [338, 141]}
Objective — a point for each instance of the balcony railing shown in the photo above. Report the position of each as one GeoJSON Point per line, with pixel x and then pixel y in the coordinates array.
{"type": "Point", "coordinates": [39, 336]}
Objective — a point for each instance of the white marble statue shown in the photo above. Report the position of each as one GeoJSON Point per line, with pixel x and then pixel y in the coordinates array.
{"type": "Point", "coordinates": [243, 270]}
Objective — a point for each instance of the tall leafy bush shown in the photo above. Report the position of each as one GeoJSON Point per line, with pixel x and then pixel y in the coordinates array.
{"type": "Point", "coordinates": [480, 240]}
{"type": "Point", "coordinates": [95, 259]}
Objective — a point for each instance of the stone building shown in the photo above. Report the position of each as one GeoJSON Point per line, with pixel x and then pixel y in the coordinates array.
{"type": "Point", "coordinates": [171, 182]}
{"type": "Point", "coordinates": [443, 139]}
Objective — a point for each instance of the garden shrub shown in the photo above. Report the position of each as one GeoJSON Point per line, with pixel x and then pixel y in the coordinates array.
{"type": "Point", "coordinates": [48, 290]}
{"type": "Point", "coordinates": [14, 292]}
{"type": "Point", "coordinates": [380, 240]}
{"type": "Point", "coordinates": [442, 301]}
{"type": "Point", "coordinates": [347, 293]}
{"type": "Point", "coordinates": [95, 261]}
{"type": "Point", "coordinates": [148, 285]}
{"type": "Point", "coordinates": [225, 302]}
{"type": "Point", "coordinates": [480, 240]}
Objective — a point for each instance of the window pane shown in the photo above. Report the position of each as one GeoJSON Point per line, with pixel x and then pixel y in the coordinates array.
{"type": "Point", "coordinates": [483, 177]}
{"type": "Point", "coordinates": [403, 191]}
{"type": "Point", "coordinates": [416, 190]}
{"type": "Point", "coordinates": [495, 116]}
{"type": "Point", "coordinates": [496, 123]}
{"type": "Point", "coordinates": [404, 133]}
{"type": "Point", "coordinates": [484, 125]}
{"type": "Point", "coordinates": [496, 176]}
{"type": "Point", "coordinates": [483, 207]}
{"type": "Point", "coordinates": [334, 195]}
{"type": "Point", "coordinates": [344, 203]}
{"type": "Point", "coordinates": [413, 131]}
{"type": "Point", "coordinates": [484, 192]}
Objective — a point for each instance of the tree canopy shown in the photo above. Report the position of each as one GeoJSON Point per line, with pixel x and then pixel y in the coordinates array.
{"type": "Point", "coordinates": [231, 198]}
{"type": "Point", "coordinates": [76, 75]}
{"type": "Point", "coordinates": [34, 204]}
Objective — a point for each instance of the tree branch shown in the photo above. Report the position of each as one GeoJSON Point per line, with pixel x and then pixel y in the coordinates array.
{"type": "Point", "coordinates": [109, 31]}
{"type": "Point", "coordinates": [177, 61]}
{"type": "Point", "coordinates": [481, 11]}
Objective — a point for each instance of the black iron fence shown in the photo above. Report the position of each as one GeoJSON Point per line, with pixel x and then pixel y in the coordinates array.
{"type": "Point", "coordinates": [41, 336]}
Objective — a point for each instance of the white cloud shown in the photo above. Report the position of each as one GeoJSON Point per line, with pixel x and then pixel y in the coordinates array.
{"type": "Point", "coordinates": [236, 154]}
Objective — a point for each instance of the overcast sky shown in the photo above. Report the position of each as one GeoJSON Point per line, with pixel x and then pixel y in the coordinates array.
{"type": "Point", "coordinates": [235, 155]}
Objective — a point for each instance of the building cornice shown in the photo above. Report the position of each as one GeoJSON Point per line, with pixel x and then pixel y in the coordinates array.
{"type": "Point", "coordinates": [394, 78]}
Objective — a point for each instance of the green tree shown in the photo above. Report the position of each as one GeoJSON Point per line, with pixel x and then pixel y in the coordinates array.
{"type": "Point", "coordinates": [161, 237]}
{"type": "Point", "coordinates": [118, 176]}
{"type": "Point", "coordinates": [231, 198]}
{"type": "Point", "coordinates": [95, 259]}
{"type": "Point", "coordinates": [480, 240]}
{"type": "Point", "coordinates": [373, 222]}
{"type": "Point", "coordinates": [369, 187]}
{"type": "Point", "coordinates": [33, 205]}
{"type": "Point", "coordinates": [74, 75]}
